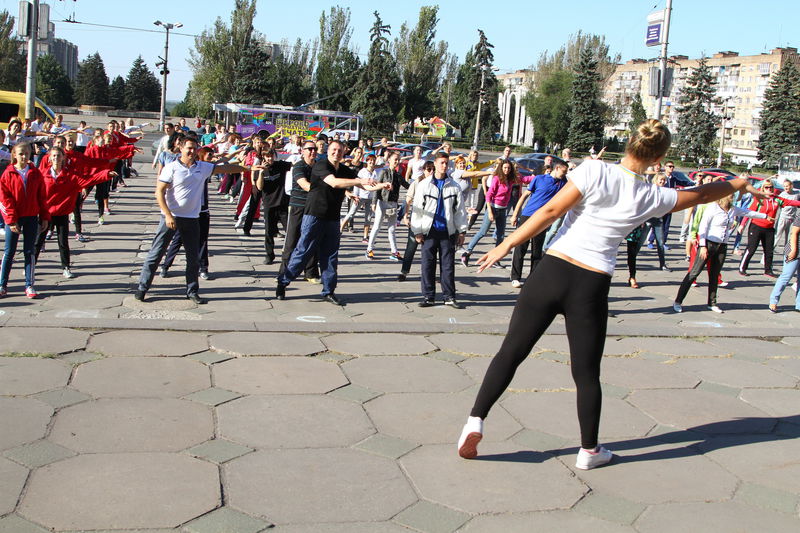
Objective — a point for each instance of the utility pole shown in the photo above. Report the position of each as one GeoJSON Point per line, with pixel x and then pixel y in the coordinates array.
{"type": "Point", "coordinates": [483, 68]}
{"type": "Point", "coordinates": [162, 117]}
{"type": "Point", "coordinates": [33, 45]}
{"type": "Point", "coordinates": [722, 130]}
{"type": "Point", "coordinates": [662, 70]}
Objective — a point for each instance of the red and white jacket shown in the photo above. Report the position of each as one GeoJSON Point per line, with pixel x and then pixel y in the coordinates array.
{"type": "Point", "coordinates": [770, 208]}
{"type": "Point", "coordinates": [62, 191]}
{"type": "Point", "coordinates": [20, 200]}
{"type": "Point", "coordinates": [78, 162]}
{"type": "Point", "coordinates": [108, 151]}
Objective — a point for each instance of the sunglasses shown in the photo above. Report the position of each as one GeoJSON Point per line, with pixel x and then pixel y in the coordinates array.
{"type": "Point", "coordinates": [311, 148]}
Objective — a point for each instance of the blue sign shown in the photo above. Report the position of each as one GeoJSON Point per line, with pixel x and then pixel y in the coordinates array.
{"type": "Point", "coordinates": [653, 35]}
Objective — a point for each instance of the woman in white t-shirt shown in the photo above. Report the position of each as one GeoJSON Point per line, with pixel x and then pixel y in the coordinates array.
{"type": "Point", "coordinates": [603, 203]}
{"type": "Point", "coordinates": [361, 198]}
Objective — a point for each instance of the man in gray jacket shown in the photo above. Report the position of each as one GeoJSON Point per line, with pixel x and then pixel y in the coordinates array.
{"type": "Point", "coordinates": [439, 222]}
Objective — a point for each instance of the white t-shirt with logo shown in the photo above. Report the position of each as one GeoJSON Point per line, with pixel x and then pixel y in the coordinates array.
{"type": "Point", "coordinates": [185, 197]}
{"type": "Point", "coordinates": [615, 200]}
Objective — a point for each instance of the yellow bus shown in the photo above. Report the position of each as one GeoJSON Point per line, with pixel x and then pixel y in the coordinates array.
{"type": "Point", "coordinates": [13, 105]}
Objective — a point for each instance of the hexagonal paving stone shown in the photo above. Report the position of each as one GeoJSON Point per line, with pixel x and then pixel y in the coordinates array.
{"type": "Point", "coordinates": [293, 422]}
{"type": "Point", "coordinates": [736, 373]}
{"type": "Point", "coordinates": [552, 343]}
{"type": "Point", "coordinates": [720, 414]}
{"type": "Point", "coordinates": [27, 417]}
{"type": "Point", "coordinates": [348, 486]}
{"type": "Point", "coordinates": [722, 516]}
{"type": "Point", "coordinates": [28, 375]}
{"type": "Point", "coordinates": [498, 481]}
{"type": "Point", "coordinates": [643, 374]}
{"type": "Point", "coordinates": [12, 479]}
{"type": "Point", "coordinates": [755, 347]}
{"type": "Point", "coordinates": [765, 460]}
{"type": "Point", "coordinates": [132, 425]}
{"type": "Point", "coordinates": [378, 344]}
{"type": "Point", "coordinates": [406, 374]}
{"type": "Point", "coordinates": [278, 375]}
{"type": "Point", "coordinates": [787, 366]}
{"type": "Point", "coordinates": [532, 374]}
{"type": "Point", "coordinates": [554, 413]}
{"type": "Point", "coordinates": [148, 343]}
{"type": "Point", "coordinates": [543, 522]}
{"type": "Point", "coordinates": [350, 527]}
{"type": "Point", "coordinates": [791, 341]}
{"type": "Point", "coordinates": [680, 347]}
{"type": "Point", "coordinates": [41, 340]}
{"type": "Point", "coordinates": [116, 489]}
{"type": "Point", "coordinates": [468, 343]}
{"type": "Point", "coordinates": [777, 402]}
{"type": "Point", "coordinates": [128, 377]}
{"type": "Point", "coordinates": [434, 417]}
{"type": "Point", "coordinates": [257, 343]}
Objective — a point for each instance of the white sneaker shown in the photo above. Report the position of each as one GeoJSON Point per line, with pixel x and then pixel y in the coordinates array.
{"type": "Point", "coordinates": [516, 283]}
{"type": "Point", "coordinates": [471, 435]}
{"type": "Point", "coordinates": [723, 284]}
{"type": "Point", "coordinates": [588, 460]}
{"type": "Point", "coordinates": [68, 273]}
{"type": "Point", "coordinates": [715, 308]}
{"type": "Point", "coordinates": [677, 307]}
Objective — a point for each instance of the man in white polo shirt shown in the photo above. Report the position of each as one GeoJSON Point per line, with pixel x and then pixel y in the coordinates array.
{"type": "Point", "coordinates": [179, 192]}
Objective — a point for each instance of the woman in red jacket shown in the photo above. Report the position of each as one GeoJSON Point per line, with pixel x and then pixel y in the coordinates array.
{"type": "Point", "coordinates": [63, 185]}
{"type": "Point", "coordinates": [102, 148]}
{"type": "Point", "coordinates": [24, 208]}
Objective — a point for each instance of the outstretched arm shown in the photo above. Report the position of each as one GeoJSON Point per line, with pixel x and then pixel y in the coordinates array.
{"type": "Point", "coordinates": [712, 192]}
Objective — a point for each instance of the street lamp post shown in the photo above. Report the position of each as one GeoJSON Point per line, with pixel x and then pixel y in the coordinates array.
{"type": "Point", "coordinates": [484, 67]}
{"type": "Point", "coordinates": [162, 117]}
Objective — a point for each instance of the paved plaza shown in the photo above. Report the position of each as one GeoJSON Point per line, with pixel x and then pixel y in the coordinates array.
{"type": "Point", "coordinates": [249, 413]}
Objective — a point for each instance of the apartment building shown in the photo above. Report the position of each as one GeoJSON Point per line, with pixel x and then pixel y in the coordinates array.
{"type": "Point", "coordinates": [741, 82]}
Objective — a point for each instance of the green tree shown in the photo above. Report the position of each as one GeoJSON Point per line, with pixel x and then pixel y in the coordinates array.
{"type": "Point", "coordinates": [377, 94]}
{"type": "Point", "coordinates": [586, 123]}
{"type": "Point", "coordinates": [52, 84]}
{"type": "Point", "coordinates": [467, 90]}
{"type": "Point", "coordinates": [91, 85]}
{"type": "Point", "coordinates": [249, 85]}
{"type": "Point", "coordinates": [142, 88]}
{"type": "Point", "coordinates": [420, 60]}
{"type": "Point", "coordinates": [780, 116]}
{"type": "Point", "coordinates": [638, 114]}
{"type": "Point", "coordinates": [338, 66]}
{"type": "Point", "coordinates": [12, 66]}
{"type": "Point", "coordinates": [296, 68]}
{"type": "Point", "coordinates": [116, 93]}
{"type": "Point", "coordinates": [697, 124]}
{"type": "Point", "coordinates": [550, 107]}
{"type": "Point", "coordinates": [568, 56]}
{"type": "Point", "coordinates": [216, 55]}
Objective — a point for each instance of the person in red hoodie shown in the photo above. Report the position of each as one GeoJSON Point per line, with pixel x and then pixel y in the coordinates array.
{"type": "Point", "coordinates": [63, 185]}
{"type": "Point", "coordinates": [23, 203]}
{"type": "Point", "coordinates": [102, 147]}
{"type": "Point", "coordinates": [119, 139]}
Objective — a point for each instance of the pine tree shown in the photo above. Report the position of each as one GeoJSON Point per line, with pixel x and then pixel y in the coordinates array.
{"type": "Point", "coordinates": [142, 88]}
{"type": "Point", "coordinates": [12, 65]}
{"type": "Point", "coordinates": [697, 124]}
{"type": "Point", "coordinates": [249, 86]}
{"type": "Point", "coordinates": [91, 85]}
{"type": "Point", "coordinates": [116, 93]}
{"type": "Point", "coordinates": [586, 125]}
{"type": "Point", "coordinates": [638, 114]}
{"type": "Point", "coordinates": [467, 91]}
{"type": "Point", "coordinates": [377, 94]}
{"type": "Point", "coordinates": [780, 116]}
{"type": "Point", "coordinates": [52, 84]}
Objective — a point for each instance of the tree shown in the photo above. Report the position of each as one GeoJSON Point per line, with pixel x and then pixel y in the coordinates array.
{"type": "Point", "coordinates": [249, 86]}
{"type": "Point", "coordinates": [116, 93]}
{"type": "Point", "coordinates": [216, 55]}
{"type": "Point", "coordinates": [568, 56]}
{"type": "Point", "coordinates": [586, 124]}
{"type": "Point", "coordinates": [338, 66]}
{"type": "Point", "coordinates": [420, 60]}
{"type": "Point", "coordinates": [550, 107]}
{"type": "Point", "coordinates": [780, 116]}
{"type": "Point", "coordinates": [377, 94]}
{"type": "Point", "coordinates": [12, 67]}
{"type": "Point", "coordinates": [299, 69]}
{"type": "Point", "coordinates": [467, 90]}
{"type": "Point", "coordinates": [52, 84]}
{"type": "Point", "coordinates": [697, 124]}
{"type": "Point", "coordinates": [91, 85]}
{"type": "Point", "coordinates": [638, 114]}
{"type": "Point", "coordinates": [142, 88]}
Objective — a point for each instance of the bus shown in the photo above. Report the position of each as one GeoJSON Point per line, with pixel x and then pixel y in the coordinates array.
{"type": "Point", "coordinates": [12, 104]}
{"type": "Point", "coordinates": [305, 123]}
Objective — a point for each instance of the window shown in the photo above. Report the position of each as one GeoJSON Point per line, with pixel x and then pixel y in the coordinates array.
{"type": "Point", "coordinates": [7, 111]}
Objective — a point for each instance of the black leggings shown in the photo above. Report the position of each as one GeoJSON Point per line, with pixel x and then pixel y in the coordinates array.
{"type": "Point", "coordinates": [715, 258]}
{"type": "Point", "coordinates": [556, 287]}
{"type": "Point", "coordinates": [478, 208]}
{"type": "Point", "coordinates": [60, 225]}
{"type": "Point", "coordinates": [756, 234]}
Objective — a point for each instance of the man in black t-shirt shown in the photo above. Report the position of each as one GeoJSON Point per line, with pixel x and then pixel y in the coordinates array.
{"type": "Point", "coordinates": [320, 226]}
{"type": "Point", "coordinates": [269, 186]}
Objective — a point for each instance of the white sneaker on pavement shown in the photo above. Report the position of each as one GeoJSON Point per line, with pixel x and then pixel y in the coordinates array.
{"type": "Point", "coordinates": [471, 435]}
{"type": "Point", "coordinates": [592, 459]}
{"type": "Point", "coordinates": [677, 307]}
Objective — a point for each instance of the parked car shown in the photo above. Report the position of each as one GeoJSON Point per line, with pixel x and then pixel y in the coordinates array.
{"type": "Point", "coordinates": [532, 164]}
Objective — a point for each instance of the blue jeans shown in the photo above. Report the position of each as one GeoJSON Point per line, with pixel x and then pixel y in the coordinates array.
{"type": "Point", "coordinates": [320, 236]}
{"type": "Point", "coordinates": [190, 235]}
{"type": "Point", "coordinates": [790, 268]}
{"type": "Point", "coordinates": [500, 221]}
{"type": "Point", "coordinates": [29, 226]}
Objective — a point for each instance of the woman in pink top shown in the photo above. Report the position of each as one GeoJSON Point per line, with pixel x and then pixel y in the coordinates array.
{"type": "Point", "coordinates": [497, 198]}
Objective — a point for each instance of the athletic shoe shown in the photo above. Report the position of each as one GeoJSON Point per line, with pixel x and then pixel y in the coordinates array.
{"type": "Point", "coordinates": [592, 459]}
{"type": "Point", "coordinates": [3, 292]}
{"type": "Point", "coordinates": [72, 218]}
{"type": "Point", "coordinates": [497, 265]}
{"type": "Point", "coordinates": [107, 212]}
{"type": "Point", "coordinates": [694, 284]}
{"type": "Point", "coordinates": [770, 274]}
{"type": "Point", "coordinates": [773, 308]}
{"type": "Point", "coordinates": [666, 247]}
{"type": "Point", "coordinates": [331, 298]}
{"type": "Point", "coordinates": [101, 220]}
{"type": "Point", "coordinates": [471, 435]}
{"type": "Point", "coordinates": [715, 308]}
{"type": "Point", "coordinates": [364, 241]}
{"type": "Point", "coordinates": [465, 259]}
{"type": "Point", "coordinates": [723, 284]}
{"type": "Point", "coordinates": [651, 246]}
{"type": "Point", "coordinates": [677, 307]}
{"type": "Point", "coordinates": [401, 276]}
{"type": "Point", "coordinates": [49, 235]}
{"type": "Point", "coordinates": [80, 237]}
{"type": "Point", "coordinates": [665, 268]}
{"type": "Point", "coordinates": [314, 281]}
{"type": "Point", "coordinates": [454, 304]}
{"type": "Point", "coordinates": [516, 283]}
{"type": "Point", "coordinates": [426, 303]}
{"type": "Point", "coordinates": [139, 295]}
{"type": "Point", "coordinates": [196, 298]}
{"type": "Point", "coordinates": [31, 293]}
{"type": "Point", "coordinates": [68, 273]}
{"type": "Point", "coordinates": [688, 259]}
{"type": "Point", "coordinates": [280, 292]}
{"type": "Point", "coordinates": [204, 275]}
{"type": "Point", "coordinates": [163, 273]}
{"type": "Point", "coordinates": [231, 199]}
{"type": "Point", "coordinates": [395, 256]}
{"type": "Point", "coordinates": [743, 273]}
{"type": "Point", "coordinates": [369, 254]}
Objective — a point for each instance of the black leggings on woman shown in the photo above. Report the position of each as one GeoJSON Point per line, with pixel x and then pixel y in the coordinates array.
{"type": "Point", "coordinates": [755, 235]}
{"type": "Point", "coordinates": [556, 287]}
{"type": "Point", "coordinates": [478, 208]}
{"type": "Point", "coordinates": [715, 257]}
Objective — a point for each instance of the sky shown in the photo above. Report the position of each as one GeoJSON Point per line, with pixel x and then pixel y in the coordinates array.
{"type": "Point", "coordinates": [521, 30]}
